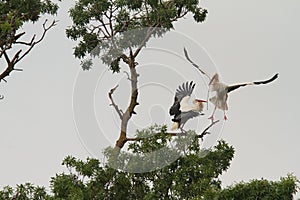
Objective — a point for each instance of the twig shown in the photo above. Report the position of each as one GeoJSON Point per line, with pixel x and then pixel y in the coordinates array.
{"type": "Point", "coordinates": [113, 102]}
{"type": "Point", "coordinates": [205, 131]}
{"type": "Point", "coordinates": [33, 43]}
{"type": "Point", "coordinates": [128, 77]}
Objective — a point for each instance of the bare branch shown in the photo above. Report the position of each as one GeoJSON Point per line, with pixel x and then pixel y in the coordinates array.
{"type": "Point", "coordinates": [26, 43]}
{"type": "Point", "coordinates": [17, 57]}
{"type": "Point", "coordinates": [10, 65]}
{"type": "Point", "coordinates": [41, 38]}
{"type": "Point", "coordinates": [128, 77]}
{"type": "Point", "coordinates": [113, 103]}
{"type": "Point", "coordinates": [205, 131]}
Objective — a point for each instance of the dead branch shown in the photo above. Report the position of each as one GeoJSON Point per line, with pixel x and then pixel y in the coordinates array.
{"type": "Point", "coordinates": [113, 102]}
{"type": "Point", "coordinates": [128, 77]}
{"type": "Point", "coordinates": [205, 131]}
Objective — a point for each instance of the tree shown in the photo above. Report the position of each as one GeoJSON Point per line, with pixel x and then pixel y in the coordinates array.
{"type": "Point", "coordinates": [194, 175]}
{"type": "Point", "coordinates": [13, 15]}
{"type": "Point", "coordinates": [118, 30]}
{"type": "Point", "coordinates": [262, 189]}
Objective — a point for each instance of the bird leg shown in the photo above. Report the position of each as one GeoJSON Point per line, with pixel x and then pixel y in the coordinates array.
{"type": "Point", "coordinates": [212, 116]}
{"type": "Point", "coordinates": [183, 132]}
{"type": "Point", "coordinates": [225, 117]}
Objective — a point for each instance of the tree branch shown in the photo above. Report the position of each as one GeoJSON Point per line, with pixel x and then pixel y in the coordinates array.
{"type": "Point", "coordinates": [17, 57]}
{"type": "Point", "coordinates": [149, 32]}
{"type": "Point", "coordinates": [201, 135]}
{"type": "Point", "coordinates": [41, 38]}
{"type": "Point", "coordinates": [205, 131]}
{"type": "Point", "coordinates": [113, 103]}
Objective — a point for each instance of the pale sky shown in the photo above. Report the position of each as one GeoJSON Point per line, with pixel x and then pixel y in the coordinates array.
{"type": "Point", "coordinates": [242, 40]}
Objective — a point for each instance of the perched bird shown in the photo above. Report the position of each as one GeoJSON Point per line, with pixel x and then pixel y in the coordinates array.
{"type": "Point", "coordinates": [222, 89]}
{"type": "Point", "coordinates": [181, 109]}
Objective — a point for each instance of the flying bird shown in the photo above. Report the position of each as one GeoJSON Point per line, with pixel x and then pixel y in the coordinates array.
{"type": "Point", "coordinates": [222, 89]}
{"type": "Point", "coordinates": [181, 109]}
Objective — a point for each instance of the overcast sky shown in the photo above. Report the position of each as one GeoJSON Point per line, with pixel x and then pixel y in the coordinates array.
{"type": "Point", "coordinates": [242, 40]}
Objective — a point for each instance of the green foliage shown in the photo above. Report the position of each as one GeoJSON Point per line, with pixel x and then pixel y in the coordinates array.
{"type": "Point", "coordinates": [262, 189]}
{"type": "Point", "coordinates": [14, 13]}
{"type": "Point", "coordinates": [194, 174]}
{"type": "Point", "coordinates": [25, 191]}
{"type": "Point", "coordinates": [117, 26]}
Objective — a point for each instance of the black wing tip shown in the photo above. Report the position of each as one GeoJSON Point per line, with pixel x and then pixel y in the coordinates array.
{"type": "Point", "coordinates": [267, 81]}
{"type": "Point", "coordinates": [184, 50]}
{"type": "Point", "coordinates": [187, 55]}
{"type": "Point", "coordinates": [274, 77]}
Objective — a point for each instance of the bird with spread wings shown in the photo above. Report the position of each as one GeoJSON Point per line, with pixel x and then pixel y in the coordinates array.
{"type": "Point", "coordinates": [221, 89]}
{"type": "Point", "coordinates": [181, 109]}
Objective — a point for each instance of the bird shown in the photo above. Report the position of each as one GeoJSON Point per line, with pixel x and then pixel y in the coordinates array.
{"type": "Point", "coordinates": [181, 109]}
{"type": "Point", "coordinates": [222, 89]}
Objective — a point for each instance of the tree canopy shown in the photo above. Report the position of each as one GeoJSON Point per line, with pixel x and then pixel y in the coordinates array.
{"type": "Point", "coordinates": [194, 175]}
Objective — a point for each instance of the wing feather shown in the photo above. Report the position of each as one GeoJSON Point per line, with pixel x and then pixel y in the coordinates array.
{"type": "Point", "coordinates": [236, 86]}
{"type": "Point", "coordinates": [184, 91]}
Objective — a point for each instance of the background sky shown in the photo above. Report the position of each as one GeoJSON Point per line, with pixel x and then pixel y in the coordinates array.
{"type": "Point", "coordinates": [243, 40]}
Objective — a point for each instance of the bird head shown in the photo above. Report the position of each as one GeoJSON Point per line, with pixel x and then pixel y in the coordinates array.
{"type": "Point", "coordinates": [199, 104]}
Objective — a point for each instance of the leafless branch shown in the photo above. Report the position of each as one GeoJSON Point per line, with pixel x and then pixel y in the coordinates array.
{"type": "Point", "coordinates": [128, 77]}
{"type": "Point", "coordinates": [205, 131]}
{"type": "Point", "coordinates": [17, 57]}
{"type": "Point", "coordinates": [113, 102]}
{"type": "Point", "coordinates": [26, 43]}
{"type": "Point", "coordinates": [41, 38]}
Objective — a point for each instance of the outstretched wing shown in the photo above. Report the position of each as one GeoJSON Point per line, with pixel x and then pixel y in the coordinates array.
{"type": "Point", "coordinates": [236, 86]}
{"type": "Point", "coordinates": [194, 64]}
{"type": "Point", "coordinates": [186, 89]}
{"type": "Point", "coordinates": [183, 92]}
{"type": "Point", "coordinates": [185, 116]}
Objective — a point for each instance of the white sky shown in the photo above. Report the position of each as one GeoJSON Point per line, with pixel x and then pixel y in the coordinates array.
{"type": "Point", "coordinates": [246, 40]}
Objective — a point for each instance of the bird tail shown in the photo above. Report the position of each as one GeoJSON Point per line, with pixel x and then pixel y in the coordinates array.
{"type": "Point", "coordinates": [175, 126]}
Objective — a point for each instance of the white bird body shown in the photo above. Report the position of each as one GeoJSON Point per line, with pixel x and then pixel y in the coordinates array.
{"type": "Point", "coordinates": [222, 89]}
{"type": "Point", "coordinates": [185, 106]}
{"type": "Point", "coordinates": [182, 109]}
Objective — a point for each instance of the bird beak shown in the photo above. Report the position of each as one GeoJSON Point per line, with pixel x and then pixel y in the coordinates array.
{"type": "Point", "coordinates": [199, 100]}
